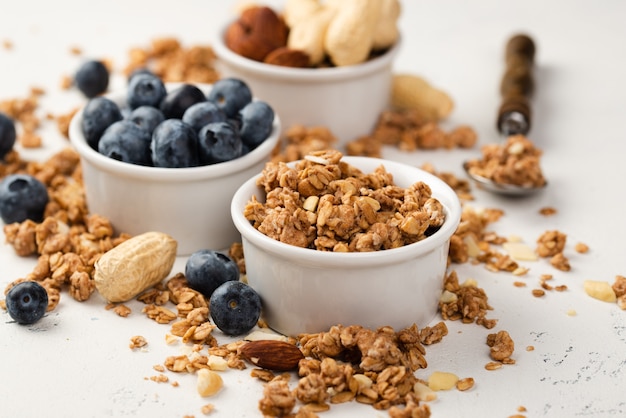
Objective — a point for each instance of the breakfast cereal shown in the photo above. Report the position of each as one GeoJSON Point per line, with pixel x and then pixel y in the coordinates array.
{"type": "Point", "coordinates": [355, 211]}
{"type": "Point", "coordinates": [516, 162]}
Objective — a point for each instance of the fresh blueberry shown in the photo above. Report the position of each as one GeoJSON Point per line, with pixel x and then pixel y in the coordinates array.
{"type": "Point", "coordinates": [180, 99]}
{"type": "Point", "coordinates": [92, 78]}
{"type": "Point", "coordinates": [256, 123]}
{"type": "Point", "coordinates": [203, 113]}
{"type": "Point", "coordinates": [231, 94]}
{"type": "Point", "coordinates": [138, 71]}
{"type": "Point", "coordinates": [99, 113]}
{"type": "Point", "coordinates": [22, 197]}
{"type": "Point", "coordinates": [235, 307]}
{"type": "Point", "coordinates": [27, 302]}
{"type": "Point", "coordinates": [126, 141]}
{"type": "Point", "coordinates": [145, 90]}
{"type": "Point", "coordinates": [7, 135]}
{"type": "Point", "coordinates": [206, 270]}
{"type": "Point", "coordinates": [174, 144]}
{"type": "Point", "coordinates": [147, 117]}
{"type": "Point", "coordinates": [219, 142]}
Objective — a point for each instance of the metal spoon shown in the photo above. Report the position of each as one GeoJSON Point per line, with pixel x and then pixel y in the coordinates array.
{"type": "Point", "coordinates": [514, 113]}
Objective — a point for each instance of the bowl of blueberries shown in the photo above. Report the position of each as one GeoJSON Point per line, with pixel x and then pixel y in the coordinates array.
{"type": "Point", "coordinates": [169, 156]}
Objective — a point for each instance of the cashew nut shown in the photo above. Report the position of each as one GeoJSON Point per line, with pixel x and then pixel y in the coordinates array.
{"type": "Point", "coordinates": [349, 37]}
{"type": "Point", "coordinates": [386, 32]}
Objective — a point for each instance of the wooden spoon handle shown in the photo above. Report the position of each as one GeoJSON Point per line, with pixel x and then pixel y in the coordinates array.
{"type": "Point", "coordinates": [517, 86]}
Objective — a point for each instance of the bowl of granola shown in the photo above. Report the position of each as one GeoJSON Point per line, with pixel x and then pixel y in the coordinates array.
{"type": "Point", "coordinates": [333, 240]}
{"type": "Point", "coordinates": [326, 67]}
{"type": "Point", "coordinates": [190, 203]}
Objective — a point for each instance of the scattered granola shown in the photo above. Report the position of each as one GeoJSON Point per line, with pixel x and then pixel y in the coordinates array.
{"type": "Point", "coordinates": [501, 347]}
{"type": "Point", "coordinates": [173, 62]}
{"type": "Point", "coordinates": [547, 211]}
{"type": "Point", "coordinates": [410, 130]}
{"type": "Point", "coordinates": [137, 342]}
{"type": "Point", "coordinates": [23, 111]}
{"type": "Point", "coordinates": [466, 303]}
{"type": "Point", "coordinates": [550, 243]}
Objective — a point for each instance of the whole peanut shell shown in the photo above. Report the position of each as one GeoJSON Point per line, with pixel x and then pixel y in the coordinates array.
{"type": "Point", "coordinates": [134, 266]}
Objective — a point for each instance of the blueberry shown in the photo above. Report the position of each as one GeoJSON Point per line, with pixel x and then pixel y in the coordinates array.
{"type": "Point", "coordinates": [206, 270]}
{"type": "Point", "coordinates": [22, 197]}
{"type": "Point", "coordinates": [145, 90]}
{"type": "Point", "coordinates": [219, 142]}
{"type": "Point", "coordinates": [126, 141]}
{"type": "Point", "coordinates": [231, 94]}
{"type": "Point", "coordinates": [99, 113]}
{"type": "Point", "coordinates": [147, 117]}
{"type": "Point", "coordinates": [256, 123]}
{"type": "Point", "coordinates": [137, 71]}
{"type": "Point", "coordinates": [235, 307]}
{"type": "Point", "coordinates": [7, 135]}
{"type": "Point", "coordinates": [180, 99]}
{"type": "Point", "coordinates": [27, 302]}
{"type": "Point", "coordinates": [92, 78]}
{"type": "Point", "coordinates": [203, 113]}
{"type": "Point", "coordinates": [174, 144]}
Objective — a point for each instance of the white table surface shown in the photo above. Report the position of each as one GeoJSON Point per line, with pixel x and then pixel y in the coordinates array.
{"type": "Point", "coordinates": [76, 362]}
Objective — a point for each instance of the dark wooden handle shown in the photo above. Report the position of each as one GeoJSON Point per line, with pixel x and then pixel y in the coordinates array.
{"type": "Point", "coordinates": [517, 86]}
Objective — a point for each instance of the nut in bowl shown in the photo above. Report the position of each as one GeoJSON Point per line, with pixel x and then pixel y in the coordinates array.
{"type": "Point", "coordinates": [191, 204]}
{"type": "Point", "coordinates": [345, 93]}
{"type": "Point", "coordinates": [305, 290]}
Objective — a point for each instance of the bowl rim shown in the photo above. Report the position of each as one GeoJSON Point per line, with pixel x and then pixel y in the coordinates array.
{"type": "Point", "coordinates": [165, 174]}
{"type": "Point", "coordinates": [302, 74]}
{"type": "Point", "coordinates": [446, 195]}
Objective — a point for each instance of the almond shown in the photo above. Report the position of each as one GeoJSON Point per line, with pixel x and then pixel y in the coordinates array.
{"type": "Point", "coordinates": [288, 57]}
{"type": "Point", "coordinates": [257, 32]}
{"type": "Point", "coordinates": [272, 354]}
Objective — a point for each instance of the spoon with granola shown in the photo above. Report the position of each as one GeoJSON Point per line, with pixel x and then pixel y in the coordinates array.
{"type": "Point", "coordinates": [512, 168]}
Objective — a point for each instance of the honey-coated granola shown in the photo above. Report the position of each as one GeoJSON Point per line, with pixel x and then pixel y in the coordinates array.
{"type": "Point", "coordinates": [326, 204]}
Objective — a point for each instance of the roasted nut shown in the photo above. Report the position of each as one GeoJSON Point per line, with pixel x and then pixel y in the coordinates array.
{"type": "Point", "coordinates": [413, 92]}
{"type": "Point", "coordinates": [134, 266]}
{"type": "Point", "coordinates": [386, 33]}
{"type": "Point", "coordinates": [349, 37]}
{"type": "Point", "coordinates": [287, 57]}
{"type": "Point", "coordinates": [208, 383]}
{"type": "Point", "coordinates": [442, 381]}
{"type": "Point", "coordinates": [272, 354]}
{"type": "Point", "coordinates": [308, 34]}
{"type": "Point", "coordinates": [257, 32]}
{"type": "Point", "coordinates": [600, 290]}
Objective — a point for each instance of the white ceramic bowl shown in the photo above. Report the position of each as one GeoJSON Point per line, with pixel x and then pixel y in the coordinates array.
{"type": "Point", "coordinates": [190, 204]}
{"type": "Point", "coordinates": [348, 100]}
{"type": "Point", "coordinates": [307, 291]}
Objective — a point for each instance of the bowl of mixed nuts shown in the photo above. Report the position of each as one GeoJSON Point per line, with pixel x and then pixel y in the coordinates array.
{"type": "Point", "coordinates": [327, 64]}
{"type": "Point", "coordinates": [345, 240]}
{"type": "Point", "coordinates": [169, 157]}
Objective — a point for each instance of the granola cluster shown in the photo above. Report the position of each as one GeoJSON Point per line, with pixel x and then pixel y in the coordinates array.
{"type": "Point", "coordinates": [69, 240]}
{"type": "Point", "coordinates": [515, 162]}
{"type": "Point", "coordinates": [465, 302]}
{"type": "Point", "coordinates": [173, 62]}
{"type": "Point", "coordinates": [409, 130]}
{"type": "Point", "coordinates": [326, 204]}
